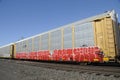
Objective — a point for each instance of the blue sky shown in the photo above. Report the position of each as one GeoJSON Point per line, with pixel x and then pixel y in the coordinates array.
{"type": "Point", "coordinates": [25, 18]}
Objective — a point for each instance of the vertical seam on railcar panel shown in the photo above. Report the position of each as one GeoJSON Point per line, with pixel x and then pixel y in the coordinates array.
{"type": "Point", "coordinates": [62, 39]}
{"type": "Point", "coordinates": [106, 54]}
{"type": "Point", "coordinates": [73, 37]}
{"type": "Point", "coordinates": [49, 41]}
{"type": "Point", "coordinates": [114, 36]}
{"type": "Point", "coordinates": [32, 44]}
{"type": "Point", "coordinates": [40, 42]}
{"type": "Point", "coordinates": [94, 29]}
{"type": "Point", "coordinates": [26, 45]}
{"type": "Point", "coordinates": [14, 50]}
{"type": "Point", "coordinates": [11, 51]}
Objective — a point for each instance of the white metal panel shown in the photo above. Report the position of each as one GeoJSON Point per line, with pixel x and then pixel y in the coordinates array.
{"type": "Point", "coordinates": [44, 42]}
{"type": "Point", "coordinates": [68, 37]}
{"type": "Point", "coordinates": [36, 43]}
{"type": "Point", "coordinates": [55, 40]}
{"type": "Point", "coordinates": [29, 45]}
{"type": "Point", "coordinates": [84, 35]}
{"type": "Point", "coordinates": [5, 51]}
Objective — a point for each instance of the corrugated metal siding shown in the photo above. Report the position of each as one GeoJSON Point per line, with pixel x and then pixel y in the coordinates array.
{"type": "Point", "coordinates": [84, 35]}
{"type": "Point", "coordinates": [36, 43]}
{"type": "Point", "coordinates": [44, 42]}
{"type": "Point", "coordinates": [104, 37]}
{"type": "Point", "coordinates": [116, 35]}
{"type": "Point", "coordinates": [68, 37]}
{"type": "Point", "coordinates": [24, 46]}
{"type": "Point", "coordinates": [18, 47]}
{"type": "Point", "coordinates": [5, 51]}
{"type": "Point", "coordinates": [29, 45]}
{"type": "Point", "coordinates": [55, 40]}
{"type": "Point", "coordinates": [21, 47]}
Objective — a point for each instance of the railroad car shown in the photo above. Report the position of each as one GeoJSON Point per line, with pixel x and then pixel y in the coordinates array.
{"type": "Point", "coordinates": [94, 39]}
{"type": "Point", "coordinates": [6, 51]}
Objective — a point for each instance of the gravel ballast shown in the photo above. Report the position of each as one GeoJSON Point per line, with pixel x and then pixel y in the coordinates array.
{"type": "Point", "coordinates": [11, 70]}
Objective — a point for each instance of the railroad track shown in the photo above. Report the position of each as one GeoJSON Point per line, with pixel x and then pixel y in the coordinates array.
{"type": "Point", "coordinates": [90, 69]}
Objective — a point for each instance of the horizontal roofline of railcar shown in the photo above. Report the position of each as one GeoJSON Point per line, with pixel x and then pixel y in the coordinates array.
{"type": "Point", "coordinates": [6, 45]}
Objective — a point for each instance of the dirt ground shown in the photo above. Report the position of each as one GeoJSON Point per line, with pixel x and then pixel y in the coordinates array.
{"type": "Point", "coordinates": [11, 70]}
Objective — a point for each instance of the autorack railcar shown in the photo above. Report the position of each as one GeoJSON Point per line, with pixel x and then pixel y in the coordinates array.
{"type": "Point", "coordinates": [95, 39]}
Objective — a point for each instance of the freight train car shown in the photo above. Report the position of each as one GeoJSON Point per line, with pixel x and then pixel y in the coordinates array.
{"type": "Point", "coordinates": [6, 51]}
{"type": "Point", "coordinates": [95, 39]}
